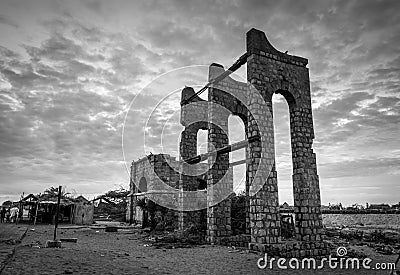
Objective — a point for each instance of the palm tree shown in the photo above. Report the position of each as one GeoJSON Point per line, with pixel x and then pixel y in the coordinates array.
{"type": "Point", "coordinates": [52, 193]}
{"type": "Point", "coordinates": [7, 203]}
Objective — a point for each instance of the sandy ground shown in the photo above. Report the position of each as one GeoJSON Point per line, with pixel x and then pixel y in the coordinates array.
{"type": "Point", "coordinates": [126, 252]}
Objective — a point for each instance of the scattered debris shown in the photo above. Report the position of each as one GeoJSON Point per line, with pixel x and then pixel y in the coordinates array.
{"type": "Point", "coordinates": [111, 229]}
{"type": "Point", "coordinates": [10, 241]}
{"type": "Point", "coordinates": [53, 244]}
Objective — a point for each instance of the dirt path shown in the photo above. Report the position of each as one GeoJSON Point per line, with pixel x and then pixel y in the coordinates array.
{"type": "Point", "coordinates": [125, 252]}
{"type": "Point", "coordinates": [10, 236]}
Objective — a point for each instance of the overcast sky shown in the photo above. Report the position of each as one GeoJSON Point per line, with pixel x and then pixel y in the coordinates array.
{"type": "Point", "coordinates": [69, 69]}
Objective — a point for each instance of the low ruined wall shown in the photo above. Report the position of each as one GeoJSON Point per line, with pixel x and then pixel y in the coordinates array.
{"type": "Point", "coordinates": [378, 220]}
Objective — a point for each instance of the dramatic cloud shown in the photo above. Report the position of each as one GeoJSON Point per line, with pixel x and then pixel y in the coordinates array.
{"type": "Point", "coordinates": [69, 71]}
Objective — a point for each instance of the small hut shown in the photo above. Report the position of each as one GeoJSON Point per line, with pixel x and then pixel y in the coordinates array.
{"type": "Point", "coordinates": [82, 212]}
{"type": "Point", "coordinates": [43, 210]}
{"type": "Point", "coordinates": [28, 207]}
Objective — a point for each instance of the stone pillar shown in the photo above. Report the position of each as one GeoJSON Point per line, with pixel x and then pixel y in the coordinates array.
{"type": "Point", "coordinates": [306, 190]}
{"type": "Point", "coordinates": [188, 149]}
{"type": "Point", "coordinates": [219, 179]}
{"type": "Point", "coordinates": [264, 204]}
{"type": "Point", "coordinates": [131, 209]}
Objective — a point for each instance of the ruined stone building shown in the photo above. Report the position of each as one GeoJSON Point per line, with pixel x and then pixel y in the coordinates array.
{"type": "Point", "coordinates": [189, 187]}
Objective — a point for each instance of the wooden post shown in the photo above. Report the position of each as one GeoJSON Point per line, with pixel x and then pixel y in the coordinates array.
{"type": "Point", "coordinates": [131, 210]}
{"type": "Point", "coordinates": [57, 212]}
{"type": "Point", "coordinates": [36, 213]}
{"type": "Point", "coordinates": [72, 215]}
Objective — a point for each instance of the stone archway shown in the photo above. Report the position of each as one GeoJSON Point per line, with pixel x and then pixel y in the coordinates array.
{"type": "Point", "coordinates": [284, 164]}
{"type": "Point", "coordinates": [271, 72]}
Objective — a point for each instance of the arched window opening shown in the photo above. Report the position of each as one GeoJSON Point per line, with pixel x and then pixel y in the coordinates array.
{"type": "Point", "coordinates": [236, 134]}
{"type": "Point", "coordinates": [283, 163]}
{"type": "Point", "coordinates": [239, 205]}
{"type": "Point", "coordinates": [202, 141]}
{"type": "Point", "coordinates": [283, 152]}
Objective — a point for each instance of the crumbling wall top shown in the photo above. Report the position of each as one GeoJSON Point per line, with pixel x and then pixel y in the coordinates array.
{"type": "Point", "coordinates": [257, 43]}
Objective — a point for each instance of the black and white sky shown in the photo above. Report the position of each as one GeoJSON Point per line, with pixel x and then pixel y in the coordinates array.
{"type": "Point", "coordinates": [69, 69]}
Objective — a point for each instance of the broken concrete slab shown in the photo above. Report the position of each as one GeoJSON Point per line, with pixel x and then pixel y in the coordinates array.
{"type": "Point", "coordinates": [69, 240]}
